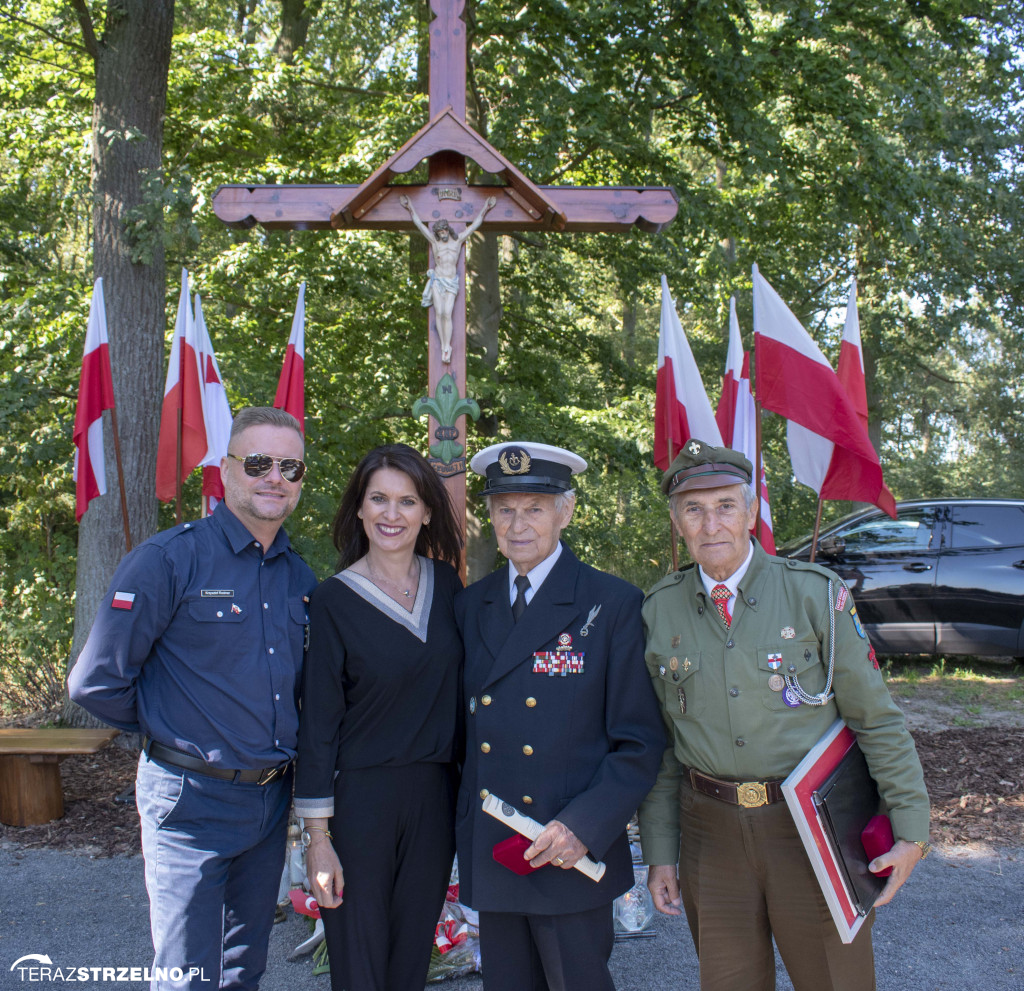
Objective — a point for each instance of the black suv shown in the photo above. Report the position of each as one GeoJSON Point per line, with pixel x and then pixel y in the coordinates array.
{"type": "Point", "coordinates": [945, 577]}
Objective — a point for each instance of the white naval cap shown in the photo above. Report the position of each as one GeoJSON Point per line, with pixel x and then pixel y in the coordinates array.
{"type": "Point", "coordinates": [523, 466]}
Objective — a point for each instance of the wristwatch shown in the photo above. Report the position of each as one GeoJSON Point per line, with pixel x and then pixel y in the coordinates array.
{"type": "Point", "coordinates": [924, 846]}
{"type": "Point", "coordinates": [307, 839]}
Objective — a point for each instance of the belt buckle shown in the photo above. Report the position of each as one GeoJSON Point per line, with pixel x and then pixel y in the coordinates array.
{"type": "Point", "coordinates": [751, 794]}
{"type": "Point", "coordinates": [268, 775]}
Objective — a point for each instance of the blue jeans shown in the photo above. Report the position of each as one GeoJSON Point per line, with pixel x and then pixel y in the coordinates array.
{"type": "Point", "coordinates": [214, 853]}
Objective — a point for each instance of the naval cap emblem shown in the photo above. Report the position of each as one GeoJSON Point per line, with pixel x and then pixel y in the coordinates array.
{"type": "Point", "coordinates": [514, 461]}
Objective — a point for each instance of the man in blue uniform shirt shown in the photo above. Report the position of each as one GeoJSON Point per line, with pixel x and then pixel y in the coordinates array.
{"type": "Point", "coordinates": [198, 645]}
{"type": "Point", "coordinates": [561, 723]}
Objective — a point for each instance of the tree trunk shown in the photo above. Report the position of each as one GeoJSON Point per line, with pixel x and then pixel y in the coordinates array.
{"type": "Point", "coordinates": [296, 16]}
{"type": "Point", "coordinates": [132, 58]}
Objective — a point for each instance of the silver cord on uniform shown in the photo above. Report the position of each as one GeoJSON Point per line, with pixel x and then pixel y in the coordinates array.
{"type": "Point", "coordinates": [826, 694]}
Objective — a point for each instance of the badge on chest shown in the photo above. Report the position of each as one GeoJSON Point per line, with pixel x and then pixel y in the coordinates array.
{"type": "Point", "coordinates": [557, 662]}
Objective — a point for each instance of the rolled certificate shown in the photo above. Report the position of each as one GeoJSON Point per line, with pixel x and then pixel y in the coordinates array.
{"type": "Point", "coordinates": [531, 829]}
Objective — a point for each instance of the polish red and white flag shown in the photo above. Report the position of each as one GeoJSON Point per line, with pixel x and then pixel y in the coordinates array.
{"type": "Point", "coordinates": [291, 387]}
{"type": "Point", "coordinates": [737, 417]}
{"type": "Point", "coordinates": [681, 406]}
{"type": "Point", "coordinates": [183, 393]}
{"type": "Point", "coordinates": [95, 394]}
{"type": "Point", "coordinates": [216, 413]}
{"type": "Point", "coordinates": [828, 443]}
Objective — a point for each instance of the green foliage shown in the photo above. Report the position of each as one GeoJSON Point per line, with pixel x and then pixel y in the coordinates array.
{"type": "Point", "coordinates": [819, 140]}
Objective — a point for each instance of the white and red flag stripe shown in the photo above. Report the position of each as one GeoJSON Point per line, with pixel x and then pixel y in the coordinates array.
{"type": "Point", "coordinates": [291, 387]}
{"type": "Point", "coordinates": [681, 406]}
{"type": "Point", "coordinates": [828, 444]}
{"type": "Point", "coordinates": [95, 394]}
{"type": "Point", "coordinates": [183, 391]}
{"type": "Point", "coordinates": [216, 413]}
{"type": "Point", "coordinates": [737, 416]}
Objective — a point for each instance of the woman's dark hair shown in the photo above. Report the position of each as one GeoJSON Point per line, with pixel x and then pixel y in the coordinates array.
{"type": "Point", "coordinates": [442, 539]}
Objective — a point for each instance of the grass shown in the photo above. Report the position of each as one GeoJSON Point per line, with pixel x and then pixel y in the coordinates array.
{"type": "Point", "coordinates": [972, 684]}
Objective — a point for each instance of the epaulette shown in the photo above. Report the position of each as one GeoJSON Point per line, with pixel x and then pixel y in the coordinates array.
{"type": "Point", "coordinates": [793, 565]}
{"type": "Point", "coordinates": [164, 537]}
{"type": "Point", "coordinates": [670, 580]}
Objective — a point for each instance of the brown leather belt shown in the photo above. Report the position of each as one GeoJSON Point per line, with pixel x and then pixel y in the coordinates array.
{"type": "Point", "coordinates": [748, 794]}
{"type": "Point", "coordinates": [248, 776]}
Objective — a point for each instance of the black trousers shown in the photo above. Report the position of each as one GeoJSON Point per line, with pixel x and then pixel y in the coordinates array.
{"type": "Point", "coordinates": [547, 952]}
{"type": "Point", "coordinates": [394, 833]}
{"type": "Point", "coordinates": [745, 877]}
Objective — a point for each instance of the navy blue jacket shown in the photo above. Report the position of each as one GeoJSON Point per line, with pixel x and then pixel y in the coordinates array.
{"type": "Point", "coordinates": [583, 747]}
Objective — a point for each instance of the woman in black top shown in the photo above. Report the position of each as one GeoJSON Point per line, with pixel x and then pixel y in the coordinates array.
{"type": "Point", "coordinates": [375, 777]}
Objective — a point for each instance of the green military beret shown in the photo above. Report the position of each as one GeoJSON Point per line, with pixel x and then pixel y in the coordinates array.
{"type": "Point", "coordinates": [701, 466]}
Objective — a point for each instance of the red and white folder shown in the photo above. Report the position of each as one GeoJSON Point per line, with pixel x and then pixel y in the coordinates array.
{"type": "Point", "coordinates": [798, 789]}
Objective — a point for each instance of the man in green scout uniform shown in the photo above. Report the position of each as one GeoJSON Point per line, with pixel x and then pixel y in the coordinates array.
{"type": "Point", "coordinates": [738, 649]}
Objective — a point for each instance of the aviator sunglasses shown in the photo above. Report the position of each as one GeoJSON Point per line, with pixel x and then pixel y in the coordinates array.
{"type": "Point", "coordinates": [258, 465]}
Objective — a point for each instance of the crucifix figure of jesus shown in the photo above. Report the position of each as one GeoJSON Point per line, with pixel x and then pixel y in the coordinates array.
{"type": "Point", "coordinates": [515, 203]}
{"type": "Point", "coordinates": [442, 286]}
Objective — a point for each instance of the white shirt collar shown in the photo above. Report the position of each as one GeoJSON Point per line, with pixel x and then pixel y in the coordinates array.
{"type": "Point", "coordinates": [536, 575]}
{"type": "Point", "coordinates": [732, 583]}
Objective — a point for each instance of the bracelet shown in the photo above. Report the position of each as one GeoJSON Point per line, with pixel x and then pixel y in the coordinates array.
{"type": "Point", "coordinates": [306, 837]}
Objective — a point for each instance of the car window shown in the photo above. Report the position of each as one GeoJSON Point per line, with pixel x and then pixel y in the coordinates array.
{"type": "Point", "coordinates": [988, 526]}
{"type": "Point", "coordinates": [880, 534]}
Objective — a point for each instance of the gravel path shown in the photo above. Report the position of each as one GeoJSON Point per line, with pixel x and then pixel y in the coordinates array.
{"type": "Point", "coordinates": [957, 924]}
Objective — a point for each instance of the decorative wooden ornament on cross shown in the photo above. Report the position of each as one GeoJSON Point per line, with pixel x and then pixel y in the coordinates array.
{"type": "Point", "coordinates": [446, 141]}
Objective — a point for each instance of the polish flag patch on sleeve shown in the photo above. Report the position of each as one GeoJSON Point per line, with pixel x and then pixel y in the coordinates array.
{"type": "Point", "coordinates": [123, 600]}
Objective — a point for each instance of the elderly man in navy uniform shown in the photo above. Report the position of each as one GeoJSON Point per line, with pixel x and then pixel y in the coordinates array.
{"type": "Point", "coordinates": [753, 657]}
{"type": "Point", "coordinates": [199, 644]}
{"type": "Point", "coordinates": [562, 724]}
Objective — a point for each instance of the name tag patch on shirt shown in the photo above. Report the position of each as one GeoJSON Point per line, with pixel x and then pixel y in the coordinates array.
{"type": "Point", "coordinates": [553, 663]}
{"type": "Point", "coordinates": [123, 600]}
{"type": "Point", "coordinates": [217, 593]}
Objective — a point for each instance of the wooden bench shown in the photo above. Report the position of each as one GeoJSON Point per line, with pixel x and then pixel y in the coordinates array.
{"type": "Point", "coordinates": [30, 787]}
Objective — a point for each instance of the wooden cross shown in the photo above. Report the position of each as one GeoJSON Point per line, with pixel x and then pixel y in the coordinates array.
{"type": "Point", "coordinates": [446, 141]}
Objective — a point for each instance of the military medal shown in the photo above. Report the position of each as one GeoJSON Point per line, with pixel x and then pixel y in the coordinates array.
{"type": "Point", "coordinates": [661, 670]}
{"type": "Point", "coordinates": [790, 698]}
{"type": "Point", "coordinates": [564, 641]}
{"type": "Point", "coordinates": [775, 661]}
{"type": "Point", "coordinates": [682, 700]}
{"type": "Point", "coordinates": [472, 705]}
{"type": "Point", "coordinates": [591, 616]}
{"type": "Point", "coordinates": [787, 633]}
{"type": "Point", "coordinates": [776, 682]}
{"type": "Point", "coordinates": [674, 664]}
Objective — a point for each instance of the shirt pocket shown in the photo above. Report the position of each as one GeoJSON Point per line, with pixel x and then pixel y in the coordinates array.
{"type": "Point", "coordinates": [799, 660]}
{"type": "Point", "coordinates": [215, 611]}
{"type": "Point", "coordinates": [681, 685]}
{"type": "Point", "coordinates": [299, 627]}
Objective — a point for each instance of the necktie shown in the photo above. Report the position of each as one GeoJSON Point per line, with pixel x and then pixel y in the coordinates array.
{"type": "Point", "coordinates": [519, 606]}
{"type": "Point", "coordinates": [721, 594]}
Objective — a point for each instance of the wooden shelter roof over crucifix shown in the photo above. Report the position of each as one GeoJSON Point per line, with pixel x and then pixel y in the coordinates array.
{"type": "Point", "coordinates": [447, 142]}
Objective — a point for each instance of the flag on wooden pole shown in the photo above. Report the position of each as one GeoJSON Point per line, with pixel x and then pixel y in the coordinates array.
{"type": "Point", "coordinates": [737, 417]}
{"type": "Point", "coordinates": [182, 445]}
{"type": "Point", "coordinates": [291, 387]}
{"type": "Point", "coordinates": [828, 444]}
{"type": "Point", "coordinates": [681, 406]}
{"type": "Point", "coordinates": [850, 371]}
{"type": "Point", "coordinates": [95, 394]}
{"type": "Point", "coordinates": [216, 413]}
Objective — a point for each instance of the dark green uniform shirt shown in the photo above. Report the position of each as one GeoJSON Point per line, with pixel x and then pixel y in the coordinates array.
{"type": "Point", "coordinates": [723, 717]}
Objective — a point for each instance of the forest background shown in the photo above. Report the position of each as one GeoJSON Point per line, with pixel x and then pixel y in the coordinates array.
{"type": "Point", "coordinates": [879, 139]}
